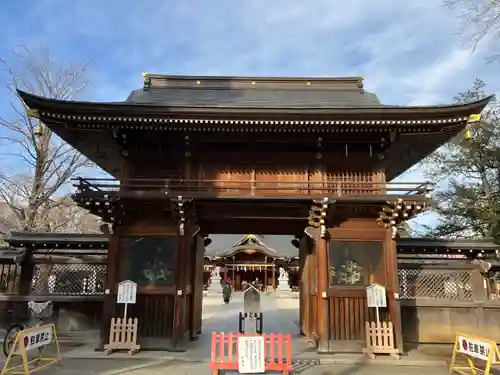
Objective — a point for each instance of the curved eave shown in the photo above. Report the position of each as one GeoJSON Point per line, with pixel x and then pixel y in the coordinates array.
{"type": "Point", "coordinates": [130, 109]}
{"type": "Point", "coordinates": [242, 249]}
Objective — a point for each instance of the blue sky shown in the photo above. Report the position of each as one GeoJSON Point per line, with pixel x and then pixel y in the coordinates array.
{"type": "Point", "coordinates": [409, 51]}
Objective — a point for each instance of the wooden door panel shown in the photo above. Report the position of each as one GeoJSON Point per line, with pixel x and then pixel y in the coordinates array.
{"type": "Point", "coordinates": [352, 266]}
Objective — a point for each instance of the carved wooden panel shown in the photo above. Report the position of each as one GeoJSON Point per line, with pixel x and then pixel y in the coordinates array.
{"type": "Point", "coordinates": [231, 179]}
{"type": "Point", "coordinates": [281, 180]}
{"type": "Point", "coordinates": [350, 181]}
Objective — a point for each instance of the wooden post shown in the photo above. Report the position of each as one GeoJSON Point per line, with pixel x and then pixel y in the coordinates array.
{"type": "Point", "coordinates": [391, 262]}
{"type": "Point", "coordinates": [303, 284]}
{"type": "Point", "coordinates": [108, 309]}
{"type": "Point", "coordinates": [323, 328]}
{"type": "Point", "coordinates": [274, 276]}
{"type": "Point", "coordinates": [27, 271]}
{"type": "Point", "coordinates": [179, 326]}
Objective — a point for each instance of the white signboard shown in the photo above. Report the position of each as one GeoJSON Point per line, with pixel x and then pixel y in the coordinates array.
{"type": "Point", "coordinates": [38, 337]}
{"type": "Point", "coordinates": [474, 348]}
{"type": "Point", "coordinates": [127, 292]}
{"type": "Point", "coordinates": [251, 358]}
{"type": "Point", "coordinates": [376, 296]}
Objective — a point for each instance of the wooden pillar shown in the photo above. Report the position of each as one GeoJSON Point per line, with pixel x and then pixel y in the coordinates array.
{"type": "Point", "coordinates": [109, 301]}
{"type": "Point", "coordinates": [197, 290]}
{"type": "Point", "coordinates": [323, 328]}
{"type": "Point", "coordinates": [27, 271]}
{"type": "Point", "coordinates": [391, 257]}
{"type": "Point", "coordinates": [179, 326]}
{"type": "Point", "coordinates": [303, 285]}
{"type": "Point", "coordinates": [274, 276]}
{"type": "Point", "coordinates": [265, 278]}
{"type": "Point", "coordinates": [225, 273]}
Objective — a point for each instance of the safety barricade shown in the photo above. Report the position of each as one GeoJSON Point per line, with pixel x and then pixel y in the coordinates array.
{"type": "Point", "coordinates": [30, 339]}
{"type": "Point", "coordinates": [473, 354]}
{"type": "Point", "coordinates": [250, 323]}
{"type": "Point", "coordinates": [251, 354]}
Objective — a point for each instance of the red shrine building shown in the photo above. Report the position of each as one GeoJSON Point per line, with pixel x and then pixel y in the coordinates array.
{"type": "Point", "coordinates": [253, 259]}
{"type": "Point", "coordinates": [312, 158]}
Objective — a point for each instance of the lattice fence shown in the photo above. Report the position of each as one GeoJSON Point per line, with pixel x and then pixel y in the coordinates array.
{"type": "Point", "coordinates": [69, 279]}
{"type": "Point", "coordinates": [435, 284]}
{"type": "Point", "coordinates": [9, 278]}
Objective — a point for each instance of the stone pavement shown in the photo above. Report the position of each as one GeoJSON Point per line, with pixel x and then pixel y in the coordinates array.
{"type": "Point", "coordinates": [280, 315]}
{"type": "Point", "coordinates": [163, 367]}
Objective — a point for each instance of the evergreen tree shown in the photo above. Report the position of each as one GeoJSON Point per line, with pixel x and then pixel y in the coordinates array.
{"type": "Point", "coordinates": [467, 171]}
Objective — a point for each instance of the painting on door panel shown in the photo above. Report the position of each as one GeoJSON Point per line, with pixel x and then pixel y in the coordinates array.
{"type": "Point", "coordinates": [281, 180]}
{"type": "Point", "coordinates": [227, 179]}
{"type": "Point", "coordinates": [351, 182]}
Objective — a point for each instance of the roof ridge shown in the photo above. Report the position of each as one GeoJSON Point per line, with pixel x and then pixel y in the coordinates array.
{"type": "Point", "coordinates": [228, 82]}
{"type": "Point", "coordinates": [254, 78]}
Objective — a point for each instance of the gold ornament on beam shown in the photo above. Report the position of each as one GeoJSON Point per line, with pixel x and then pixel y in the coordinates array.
{"type": "Point", "coordinates": [471, 120]}
{"type": "Point", "coordinates": [34, 113]}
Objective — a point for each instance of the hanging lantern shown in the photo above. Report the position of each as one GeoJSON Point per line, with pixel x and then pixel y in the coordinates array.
{"type": "Point", "coordinates": [471, 120]}
{"type": "Point", "coordinates": [467, 134]}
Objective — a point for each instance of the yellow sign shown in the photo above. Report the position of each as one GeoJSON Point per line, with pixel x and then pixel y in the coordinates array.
{"type": "Point", "coordinates": [32, 338]}
{"type": "Point", "coordinates": [468, 348]}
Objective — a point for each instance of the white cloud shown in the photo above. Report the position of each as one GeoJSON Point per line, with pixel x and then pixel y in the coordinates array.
{"type": "Point", "coordinates": [408, 51]}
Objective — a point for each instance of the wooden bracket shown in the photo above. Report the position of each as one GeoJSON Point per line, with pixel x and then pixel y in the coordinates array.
{"type": "Point", "coordinates": [183, 212]}
{"type": "Point", "coordinates": [318, 215]}
{"type": "Point", "coordinates": [394, 213]}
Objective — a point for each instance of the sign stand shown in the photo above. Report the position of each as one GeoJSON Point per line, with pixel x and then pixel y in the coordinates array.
{"type": "Point", "coordinates": [32, 338]}
{"type": "Point", "coordinates": [379, 335]}
{"type": "Point", "coordinates": [123, 332]}
{"type": "Point", "coordinates": [469, 347]}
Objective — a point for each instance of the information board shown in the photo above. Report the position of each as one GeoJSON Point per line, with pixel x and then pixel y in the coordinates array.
{"type": "Point", "coordinates": [127, 292]}
{"type": "Point", "coordinates": [251, 357]}
{"type": "Point", "coordinates": [376, 296]}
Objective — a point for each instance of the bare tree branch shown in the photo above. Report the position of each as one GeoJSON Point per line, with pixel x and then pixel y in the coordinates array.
{"type": "Point", "coordinates": [480, 19]}
{"type": "Point", "coordinates": [40, 164]}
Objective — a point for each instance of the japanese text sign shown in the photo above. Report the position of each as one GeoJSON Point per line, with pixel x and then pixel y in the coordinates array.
{"type": "Point", "coordinates": [251, 357]}
{"type": "Point", "coordinates": [127, 292]}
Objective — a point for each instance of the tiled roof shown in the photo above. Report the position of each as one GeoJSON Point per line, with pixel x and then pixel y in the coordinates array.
{"type": "Point", "coordinates": [223, 244]}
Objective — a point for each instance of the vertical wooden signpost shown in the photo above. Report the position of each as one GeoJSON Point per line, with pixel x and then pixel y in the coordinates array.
{"type": "Point", "coordinates": [123, 331]}
{"type": "Point", "coordinates": [379, 335]}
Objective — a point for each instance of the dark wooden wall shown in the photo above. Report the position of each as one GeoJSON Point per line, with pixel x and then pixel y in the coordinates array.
{"type": "Point", "coordinates": [295, 157]}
